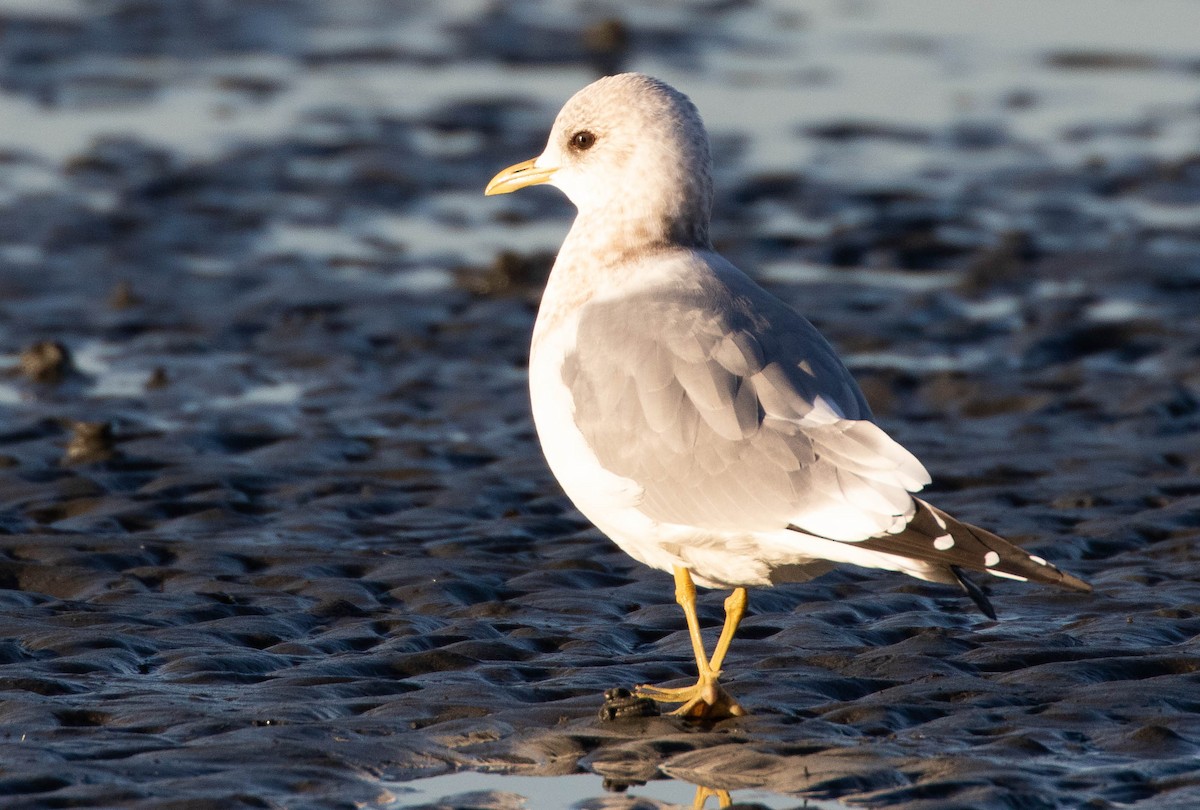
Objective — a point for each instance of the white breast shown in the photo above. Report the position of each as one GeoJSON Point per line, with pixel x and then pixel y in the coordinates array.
{"type": "Point", "coordinates": [716, 559]}
{"type": "Point", "coordinates": [609, 501]}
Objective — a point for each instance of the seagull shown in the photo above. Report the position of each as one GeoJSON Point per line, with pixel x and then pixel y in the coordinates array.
{"type": "Point", "coordinates": [697, 420]}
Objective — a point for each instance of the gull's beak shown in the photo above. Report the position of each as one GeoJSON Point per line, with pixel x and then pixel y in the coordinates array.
{"type": "Point", "coordinates": [519, 176]}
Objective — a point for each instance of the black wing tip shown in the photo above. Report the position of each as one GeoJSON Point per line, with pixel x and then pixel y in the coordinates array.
{"type": "Point", "coordinates": [1074, 583]}
{"type": "Point", "coordinates": [1022, 564]}
{"type": "Point", "coordinates": [975, 592]}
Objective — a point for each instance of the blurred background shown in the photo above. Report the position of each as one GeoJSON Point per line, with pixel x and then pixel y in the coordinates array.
{"type": "Point", "coordinates": [147, 145]}
{"type": "Point", "coordinates": [273, 519]}
{"type": "Point", "coordinates": [355, 135]}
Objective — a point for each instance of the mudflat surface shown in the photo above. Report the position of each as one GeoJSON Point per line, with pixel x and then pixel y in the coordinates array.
{"type": "Point", "coordinates": [280, 534]}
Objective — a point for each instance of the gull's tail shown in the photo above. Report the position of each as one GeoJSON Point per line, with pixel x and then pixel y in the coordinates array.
{"type": "Point", "coordinates": [935, 537]}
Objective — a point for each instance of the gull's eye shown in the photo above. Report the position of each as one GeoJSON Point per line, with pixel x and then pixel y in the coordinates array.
{"type": "Point", "coordinates": [582, 140]}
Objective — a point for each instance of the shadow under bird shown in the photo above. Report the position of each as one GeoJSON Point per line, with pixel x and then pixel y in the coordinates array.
{"type": "Point", "coordinates": [697, 420]}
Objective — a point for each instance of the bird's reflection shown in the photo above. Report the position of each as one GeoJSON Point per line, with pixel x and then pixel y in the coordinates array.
{"type": "Point", "coordinates": [621, 704]}
{"type": "Point", "coordinates": [705, 797]}
{"type": "Point", "coordinates": [703, 794]}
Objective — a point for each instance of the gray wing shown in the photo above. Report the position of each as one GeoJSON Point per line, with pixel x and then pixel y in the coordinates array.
{"type": "Point", "coordinates": [731, 412]}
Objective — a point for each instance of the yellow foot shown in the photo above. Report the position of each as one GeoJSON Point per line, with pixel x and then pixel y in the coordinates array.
{"type": "Point", "coordinates": [704, 700]}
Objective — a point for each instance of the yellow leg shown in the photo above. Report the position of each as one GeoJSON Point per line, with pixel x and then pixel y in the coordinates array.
{"type": "Point", "coordinates": [685, 595]}
{"type": "Point", "coordinates": [706, 699]}
{"type": "Point", "coordinates": [735, 609]}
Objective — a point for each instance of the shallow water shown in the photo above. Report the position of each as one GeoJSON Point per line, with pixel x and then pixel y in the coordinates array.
{"type": "Point", "coordinates": [281, 533]}
{"type": "Point", "coordinates": [574, 791]}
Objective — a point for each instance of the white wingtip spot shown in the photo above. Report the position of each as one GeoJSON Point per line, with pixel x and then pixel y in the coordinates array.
{"type": "Point", "coordinates": [990, 559]}
{"type": "Point", "coordinates": [943, 543]}
{"type": "Point", "coordinates": [938, 519]}
{"type": "Point", "coordinates": [1004, 575]}
{"type": "Point", "coordinates": [1038, 560]}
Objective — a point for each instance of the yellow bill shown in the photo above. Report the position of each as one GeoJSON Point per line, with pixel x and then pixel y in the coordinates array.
{"type": "Point", "coordinates": [518, 176]}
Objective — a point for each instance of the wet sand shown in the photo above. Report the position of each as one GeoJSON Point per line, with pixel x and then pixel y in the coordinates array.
{"type": "Point", "coordinates": [275, 530]}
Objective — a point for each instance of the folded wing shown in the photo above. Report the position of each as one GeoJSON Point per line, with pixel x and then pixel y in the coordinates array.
{"type": "Point", "coordinates": [731, 412]}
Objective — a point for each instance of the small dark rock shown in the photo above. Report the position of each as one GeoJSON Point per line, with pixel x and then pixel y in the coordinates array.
{"type": "Point", "coordinates": [621, 704]}
{"type": "Point", "coordinates": [90, 442]}
{"type": "Point", "coordinates": [511, 273]}
{"type": "Point", "coordinates": [1006, 262]}
{"type": "Point", "coordinates": [607, 41]}
{"type": "Point", "coordinates": [158, 379]}
{"type": "Point", "coordinates": [47, 362]}
{"type": "Point", "coordinates": [123, 296]}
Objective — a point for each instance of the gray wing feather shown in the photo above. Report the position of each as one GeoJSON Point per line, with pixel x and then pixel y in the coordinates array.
{"type": "Point", "coordinates": [731, 411]}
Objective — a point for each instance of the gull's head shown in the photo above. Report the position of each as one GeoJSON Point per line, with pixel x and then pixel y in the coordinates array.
{"type": "Point", "coordinates": [631, 149]}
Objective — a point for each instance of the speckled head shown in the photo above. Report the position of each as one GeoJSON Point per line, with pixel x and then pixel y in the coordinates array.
{"type": "Point", "coordinates": [629, 150]}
